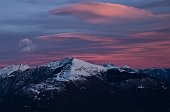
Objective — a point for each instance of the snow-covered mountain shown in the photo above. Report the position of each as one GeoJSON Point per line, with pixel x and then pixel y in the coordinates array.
{"type": "Point", "coordinates": [73, 85]}
{"type": "Point", "coordinates": [121, 68]}
{"type": "Point", "coordinates": [74, 69]}
{"type": "Point", "coordinates": [7, 71]}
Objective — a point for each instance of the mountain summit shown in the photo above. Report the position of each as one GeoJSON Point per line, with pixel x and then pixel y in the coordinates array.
{"type": "Point", "coordinates": [73, 85]}
{"type": "Point", "coordinates": [77, 69]}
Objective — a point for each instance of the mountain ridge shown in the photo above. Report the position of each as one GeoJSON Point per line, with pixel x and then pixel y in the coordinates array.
{"type": "Point", "coordinates": [54, 64]}
{"type": "Point", "coordinates": [73, 84]}
{"type": "Point", "coordinates": [6, 71]}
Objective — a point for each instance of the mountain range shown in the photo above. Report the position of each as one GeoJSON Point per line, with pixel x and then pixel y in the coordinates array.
{"type": "Point", "coordinates": [73, 85]}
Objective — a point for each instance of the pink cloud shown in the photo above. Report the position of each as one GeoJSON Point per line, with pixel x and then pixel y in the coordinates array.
{"type": "Point", "coordinates": [86, 37]}
{"type": "Point", "coordinates": [98, 12]}
{"type": "Point", "coordinates": [151, 35]}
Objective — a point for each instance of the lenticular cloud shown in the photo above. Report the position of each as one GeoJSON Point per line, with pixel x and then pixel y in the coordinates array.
{"type": "Point", "coordinates": [97, 12]}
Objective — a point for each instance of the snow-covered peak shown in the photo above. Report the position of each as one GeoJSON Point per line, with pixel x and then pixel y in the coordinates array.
{"type": "Point", "coordinates": [121, 68]}
{"type": "Point", "coordinates": [126, 66]}
{"type": "Point", "coordinates": [129, 69]}
{"type": "Point", "coordinates": [83, 66]}
{"type": "Point", "coordinates": [111, 66]}
{"type": "Point", "coordinates": [52, 65]}
{"type": "Point", "coordinates": [6, 71]}
{"type": "Point", "coordinates": [78, 69]}
{"type": "Point", "coordinates": [57, 64]}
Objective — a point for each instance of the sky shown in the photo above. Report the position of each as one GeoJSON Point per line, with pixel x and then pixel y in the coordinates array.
{"type": "Point", "coordinates": [121, 32]}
